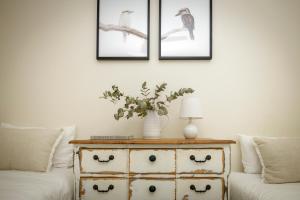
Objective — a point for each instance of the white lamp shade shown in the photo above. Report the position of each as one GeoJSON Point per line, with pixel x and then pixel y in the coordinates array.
{"type": "Point", "coordinates": [191, 108]}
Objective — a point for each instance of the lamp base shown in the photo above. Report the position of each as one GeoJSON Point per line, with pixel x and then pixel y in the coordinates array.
{"type": "Point", "coordinates": [190, 131]}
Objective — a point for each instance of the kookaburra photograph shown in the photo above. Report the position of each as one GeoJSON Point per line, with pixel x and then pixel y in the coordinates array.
{"type": "Point", "coordinates": [122, 30]}
{"type": "Point", "coordinates": [185, 29]}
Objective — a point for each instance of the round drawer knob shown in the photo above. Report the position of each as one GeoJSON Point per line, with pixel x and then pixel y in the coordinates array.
{"type": "Point", "coordinates": [152, 158]}
{"type": "Point", "coordinates": [95, 187]}
{"type": "Point", "coordinates": [111, 157]}
{"type": "Point", "coordinates": [192, 157]}
{"type": "Point", "coordinates": [152, 188]}
{"type": "Point", "coordinates": [110, 187]}
{"type": "Point", "coordinates": [95, 157]}
{"type": "Point", "coordinates": [208, 157]}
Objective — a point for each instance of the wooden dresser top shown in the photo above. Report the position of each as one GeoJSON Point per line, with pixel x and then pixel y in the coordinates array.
{"type": "Point", "coordinates": [156, 141]}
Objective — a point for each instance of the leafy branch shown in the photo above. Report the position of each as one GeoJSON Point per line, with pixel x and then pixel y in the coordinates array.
{"type": "Point", "coordinates": [142, 105]}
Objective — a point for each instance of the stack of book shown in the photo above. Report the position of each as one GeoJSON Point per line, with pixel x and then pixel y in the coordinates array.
{"type": "Point", "coordinates": [112, 137]}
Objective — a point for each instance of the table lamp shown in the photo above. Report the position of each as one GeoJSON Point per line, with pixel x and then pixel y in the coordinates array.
{"type": "Point", "coordinates": [191, 109]}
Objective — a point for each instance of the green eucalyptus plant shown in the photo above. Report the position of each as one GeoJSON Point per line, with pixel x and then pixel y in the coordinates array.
{"type": "Point", "coordinates": [142, 105]}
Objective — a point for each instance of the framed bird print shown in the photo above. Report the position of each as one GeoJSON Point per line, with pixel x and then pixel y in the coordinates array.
{"type": "Point", "coordinates": [123, 29]}
{"type": "Point", "coordinates": [185, 30]}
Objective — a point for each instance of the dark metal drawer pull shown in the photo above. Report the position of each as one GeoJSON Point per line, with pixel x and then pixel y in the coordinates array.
{"type": "Point", "coordinates": [110, 187]}
{"type": "Point", "coordinates": [152, 188]}
{"type": "Point", "coordinates": [208, 187]}
{"type": "Point", "coordinates": [96, 157]}
{"type": "Point", "coordinates": [208, 157]}
{"type": "Point", "coordinates": [152, 158]}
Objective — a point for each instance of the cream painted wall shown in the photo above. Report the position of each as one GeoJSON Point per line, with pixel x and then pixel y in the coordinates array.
{"type": "Point", "coordinates": [49, 75]}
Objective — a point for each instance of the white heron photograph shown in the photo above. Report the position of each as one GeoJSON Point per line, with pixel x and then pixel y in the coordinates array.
{"type": "Point", "coordinates": [123, 29]}
{"type": "Point", "coordinates": [185, 29]}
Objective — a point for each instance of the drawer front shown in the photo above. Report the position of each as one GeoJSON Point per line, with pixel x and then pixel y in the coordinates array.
{"type": "Point", "coordinates": [104, 189]}
{"type": "Point", "coordinates": [152, 161]}
{"type": "Point", "coordinates": [152, 189]}
{"type": "Point", "coordinates": [104, 161]}
{"type": "Point", "coordinates": [200, 161]}
{"type": "Point", "coordinates": [196, 188]}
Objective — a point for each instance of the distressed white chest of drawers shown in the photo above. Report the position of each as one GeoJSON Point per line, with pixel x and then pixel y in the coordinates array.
{"type": "Point", "coordinates": [164, 169]}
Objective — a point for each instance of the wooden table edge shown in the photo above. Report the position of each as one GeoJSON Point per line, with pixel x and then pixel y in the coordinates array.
{"type": "Point", "coordinates": [155, 141]}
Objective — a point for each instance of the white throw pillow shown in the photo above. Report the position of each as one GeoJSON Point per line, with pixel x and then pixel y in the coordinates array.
{"type": "Point", "coordinates": [250, 157]}
{"type": "Point", "coordinates": [280, 158]}
{"type": "Point", "coordinates": [28, 149]}
{"type": "Point", "coordinates": [63, 156]}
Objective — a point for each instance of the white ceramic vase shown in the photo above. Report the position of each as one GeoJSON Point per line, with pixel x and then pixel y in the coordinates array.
{"type": "Point", "coordinates": [152, 125]}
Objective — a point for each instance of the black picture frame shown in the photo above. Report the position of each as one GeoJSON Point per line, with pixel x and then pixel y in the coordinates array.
{"type": "Point", "coordinates": [98, 57]}
{"type": "Point", "coordinates": [200, 57]}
